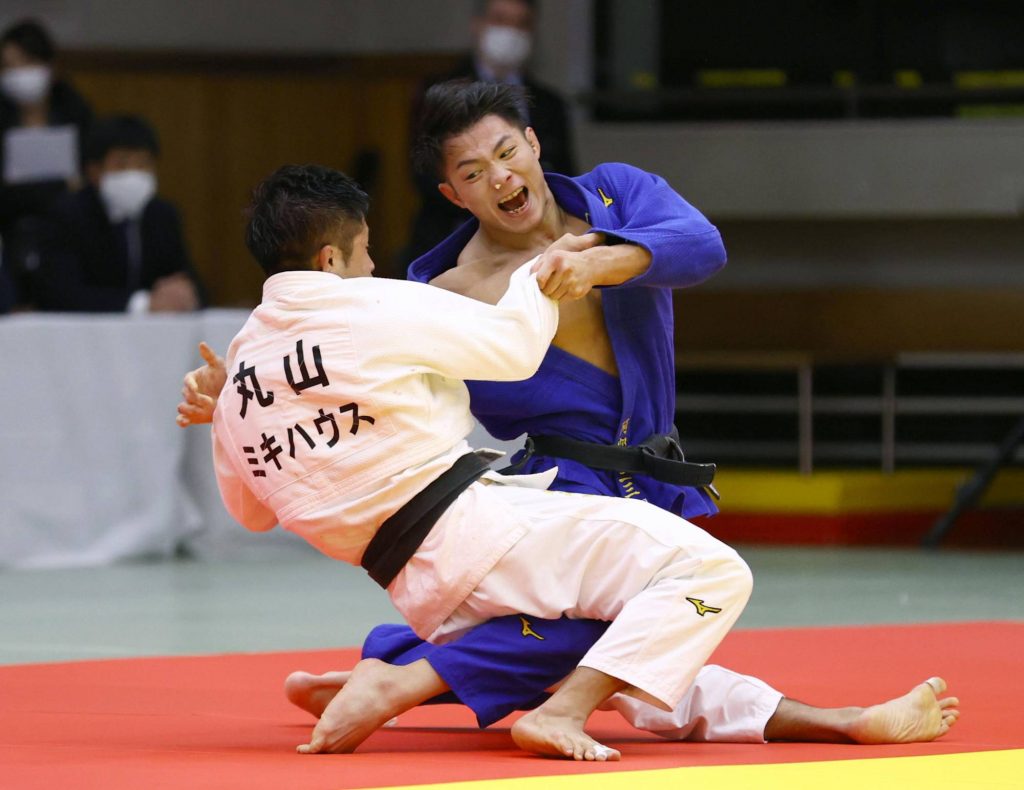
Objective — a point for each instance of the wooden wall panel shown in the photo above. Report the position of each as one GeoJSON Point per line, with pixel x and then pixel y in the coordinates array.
{"type": "Point", "coordinates": [853, 323]}
{"type": "Point", "coordinates": [224, 125]}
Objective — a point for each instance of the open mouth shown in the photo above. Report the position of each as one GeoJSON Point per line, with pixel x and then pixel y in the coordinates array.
{"type": "Point", "coordinates": [516, 202]}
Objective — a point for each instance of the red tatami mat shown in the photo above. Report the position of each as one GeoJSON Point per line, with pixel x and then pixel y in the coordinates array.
{"type": "Point", "coordinates": [222, 721]}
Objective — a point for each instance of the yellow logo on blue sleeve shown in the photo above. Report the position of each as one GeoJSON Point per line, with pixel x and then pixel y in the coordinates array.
{"type": "Point", "coordinates": [604, 198]}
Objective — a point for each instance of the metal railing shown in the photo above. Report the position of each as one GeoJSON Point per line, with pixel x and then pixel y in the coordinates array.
{"type": "Point", "coordinates": [805, 405]}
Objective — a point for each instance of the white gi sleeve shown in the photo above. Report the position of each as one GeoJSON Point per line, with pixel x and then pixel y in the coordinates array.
{"type": "Point", "coordinates": [239, 500]}
{"type": "Point", "coordinates": [463, 338]}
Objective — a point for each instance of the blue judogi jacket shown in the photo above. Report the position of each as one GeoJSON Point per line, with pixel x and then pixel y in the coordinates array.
{"type": "Point", "coordinates": [571, 397]}
{"type": "Point", "coordinates": [506, 663]}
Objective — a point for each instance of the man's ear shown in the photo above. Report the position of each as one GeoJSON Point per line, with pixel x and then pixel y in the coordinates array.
{"type": "Point", "coordinates": [328, 259]}
{"type": "Point", "coordinates": [531, 138]}
{"type": "Point", "coordinates": [93, 171]}
{"type": "Point", "coordinates": [476, 27]}
{"type": "Point", "coordinates": [449, 192]}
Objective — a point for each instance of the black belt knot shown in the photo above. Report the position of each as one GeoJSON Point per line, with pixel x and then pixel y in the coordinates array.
{"type": "Point", "coordinates": [660, 457]}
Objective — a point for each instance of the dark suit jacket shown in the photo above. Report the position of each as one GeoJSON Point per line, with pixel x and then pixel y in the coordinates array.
{"type": "Point", "coordinates": [549, 117]}
{"type": "Point", "coordinates": [86, 265]}
{"type": "Point", "coordinates": [67, 107]}
{"type": "Point", "coordinates": [23, 207]}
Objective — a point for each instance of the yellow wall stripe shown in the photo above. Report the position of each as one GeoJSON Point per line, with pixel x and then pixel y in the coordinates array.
{"type": "Point", "coordinates": [741, 78]}
{"type": "Point", "coordinates": [1010, 78]}
{"type": "Point", "coordinates": [856, 491]}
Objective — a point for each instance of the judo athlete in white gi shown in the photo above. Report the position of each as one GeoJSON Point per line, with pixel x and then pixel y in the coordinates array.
{"type": "Point", "coordinates": [720, 705]}
{"type": "Point", "coordinates": [346, 407]}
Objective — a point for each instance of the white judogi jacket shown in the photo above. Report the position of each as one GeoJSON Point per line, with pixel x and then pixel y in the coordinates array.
{"type": "Point", "coordinates": [345, 398]}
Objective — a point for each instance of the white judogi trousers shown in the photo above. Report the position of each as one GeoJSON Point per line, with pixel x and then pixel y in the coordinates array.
{"type": "Point", "coordinates": [671, 589]}
{"type": "Point", "coordinates": [721, 706]}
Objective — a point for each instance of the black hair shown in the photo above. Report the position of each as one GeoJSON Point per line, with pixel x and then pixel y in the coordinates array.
{"type": "Point", "coordinates": [295, 211]}
{"type": "Point", "coordinates": [450, 108]}
{"type": "Point", "coordinates": [120, 131]}
{"type": "Point", "coordinates": [31, 37]}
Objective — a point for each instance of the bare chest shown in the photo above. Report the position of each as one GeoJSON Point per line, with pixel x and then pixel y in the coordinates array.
{"type": "Point", "coordinates": [581, 326]}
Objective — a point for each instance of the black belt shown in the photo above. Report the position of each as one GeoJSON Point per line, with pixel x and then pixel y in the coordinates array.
{"type": "Point", "coordinates": [659, 457]}
{"type": "Point", "coordinates": [401, 535]}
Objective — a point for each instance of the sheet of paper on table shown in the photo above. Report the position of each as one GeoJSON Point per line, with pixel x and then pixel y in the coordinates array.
{"type": "Point", "coordinates": [42, 154]}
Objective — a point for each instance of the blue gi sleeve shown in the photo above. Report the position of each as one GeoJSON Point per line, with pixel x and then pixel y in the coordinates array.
{"type": "Point", "coordinates": [641, 208]}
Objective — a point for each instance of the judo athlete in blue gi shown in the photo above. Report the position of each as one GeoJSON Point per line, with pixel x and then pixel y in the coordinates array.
{"type": "Point", "coordinates": [623, 402]}
{"type": "Point", "coordinates": [614, 243]}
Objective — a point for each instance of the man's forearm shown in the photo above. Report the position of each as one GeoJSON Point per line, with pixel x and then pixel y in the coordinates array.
{"type": "Point", "coordinates": [615, 264]}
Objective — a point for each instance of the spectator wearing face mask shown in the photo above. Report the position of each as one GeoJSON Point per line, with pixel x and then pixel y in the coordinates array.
{"type": "Point", "coordinates": [34, 104]}
{"type": "Point", "coordinates": [503, 35]}
{"type": "Point", "coordinates": [115, 245]}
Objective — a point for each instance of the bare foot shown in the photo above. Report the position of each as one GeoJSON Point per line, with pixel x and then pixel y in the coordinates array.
{"type": "Point", "coordinates": [919, 715]}
{"type": "Point", "coordinates": [374, 693]}
{"type": "Point", "coordinates": [559, 736]}
{"type": "Point", "coordinates": [313, 693]}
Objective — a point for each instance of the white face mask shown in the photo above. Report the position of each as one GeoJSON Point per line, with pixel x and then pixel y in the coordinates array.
{"type": "Point", "coordinates": [505, 47]}
{"type": "Point", "coordinates": [125, 193]}
{"type": "Point", "coordinates": [25, 84]}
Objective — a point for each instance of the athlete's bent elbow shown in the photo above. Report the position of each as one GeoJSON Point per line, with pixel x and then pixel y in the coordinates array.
{"type": "Point", "coordinates": [715, 256]}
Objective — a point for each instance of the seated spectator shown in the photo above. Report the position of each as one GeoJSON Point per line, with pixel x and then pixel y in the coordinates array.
{"type": "Point", "coordinates": [42, 120]}
{"type": "Point", "coordinates": [116, 245]}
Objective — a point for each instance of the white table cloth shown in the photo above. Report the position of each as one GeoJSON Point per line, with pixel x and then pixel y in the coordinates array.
{"type": "Point", "coordinates": [94, 468]}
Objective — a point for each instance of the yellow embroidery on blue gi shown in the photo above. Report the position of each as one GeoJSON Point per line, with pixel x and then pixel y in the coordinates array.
{"type": "Point", "coordinates": [607, 200]}
{"type": "Point", "coordinates": [702, 608]}
{"type": "Point", "coordinates": [528, 630]}
{"type": "Point", "coordinates": [626, 479]}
